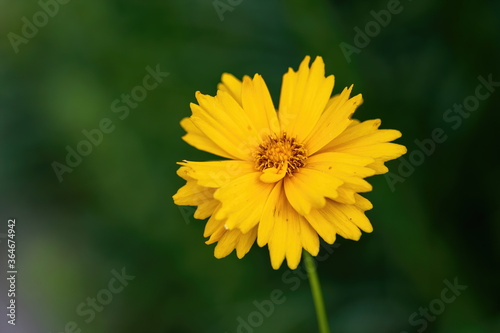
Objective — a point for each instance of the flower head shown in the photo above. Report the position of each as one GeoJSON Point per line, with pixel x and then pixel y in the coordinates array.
{"type": "Point", "coordinates": [291, 175]}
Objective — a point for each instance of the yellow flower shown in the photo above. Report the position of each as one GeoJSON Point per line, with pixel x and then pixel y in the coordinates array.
{"type": "Point", "coordinates": [291, 175]}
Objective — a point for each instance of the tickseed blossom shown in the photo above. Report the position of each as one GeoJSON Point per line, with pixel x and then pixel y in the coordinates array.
{"type": "Point", "coordinates": [292, 175]}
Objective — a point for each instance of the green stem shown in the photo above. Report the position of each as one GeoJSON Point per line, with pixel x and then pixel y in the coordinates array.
{"type": "Point", "coordinates": [316, 292]}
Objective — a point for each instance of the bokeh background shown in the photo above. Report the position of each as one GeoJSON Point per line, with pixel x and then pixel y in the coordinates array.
{"type": "Point", "coordinates": [114, 210]}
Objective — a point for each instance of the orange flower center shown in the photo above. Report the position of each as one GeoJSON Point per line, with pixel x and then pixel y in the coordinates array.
{"type": "Point", "coordinates": [280, 152]}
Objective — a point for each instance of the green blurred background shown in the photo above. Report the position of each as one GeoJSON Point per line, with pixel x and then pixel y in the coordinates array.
{"type": "Point", "coordinates": [114, 210]}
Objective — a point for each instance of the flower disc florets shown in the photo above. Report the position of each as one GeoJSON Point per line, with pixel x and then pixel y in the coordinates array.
{"type": "Point", "coordinates": [280, 151]}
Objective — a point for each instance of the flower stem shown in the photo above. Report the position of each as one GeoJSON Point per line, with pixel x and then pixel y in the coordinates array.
{"type": "Point", "coordinates": [316, 292]}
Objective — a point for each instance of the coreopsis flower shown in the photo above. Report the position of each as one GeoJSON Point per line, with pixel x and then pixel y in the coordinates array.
{"type": "Point", "coordinates": [290, 175]}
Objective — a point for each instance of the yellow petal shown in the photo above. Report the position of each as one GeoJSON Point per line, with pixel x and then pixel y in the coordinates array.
{"type": "Point", "coordinates": [333, 121]}
{"type": "Point", "coordinates": [199, 140]}
{"type": "Point", "coordinates": [217, 235]}
{"type": "Point", "coordinates": [271, 210]}
{"type": "Point", "coordinates": [333, 212]}
{"type": "Point", "coordinates": [245, 242]}
{"type": "Point", "coordinates": [308, 188]}
{"type": "Point", "coordinates": [378, 167]}
{"type": "Point", "coordinates": [365, 139]}
{"type": "Point", "coordinates": [347, 192]}
{"type": "Point", "coordinates": [231, 85]}
{"type": "Point", "coordinates": [258, 105]}
{"type": "Point", "coordinates": [272, 175]}
{"type": "Point", "coordinates": [301, 197]}
{"type": "Point", "coordinates": [363, 203]}
{"type": "Point", "coordinates": [304, 96]}
{"type": "Point", "coordinates": [243, 201]}
{"type": "Point", "coordinates": [341, 165]}
{"type": "Point", "coordinates": [357, 184]}
{"type": "Point", "coordinates": [293, 242]}
{"type": "Point", "coordinates": [227, 243]}
{"type": "Point", "coordinates": [213, 224]}
{"type": "Point", "coordinates": [309, 237]}
{"type": "Point", "coordinates": [325, 228]}
{"type": "Point", "coordinates": [346, 195]}
{"type": "Point", "coordinates": [277, 243]}
{"type": "Point", "coordinates": [382, 151]}
{"type": "Point", "coordinates": [205, 209]}
{"type": "Point", "coordinates": [228, 240]}
{"type": "Point", "coordinates": [223, 120]}
{"type": "Point", "coordinates": [215, 173]}
{"type": "Point", "coordinates": [278, 239]}
{"type": "Point", "coordinates": [354, 215]}
{"type": "Point", "coordinates": [366, 132]}
{"type": "Point", "coordinates": [193, 194]}
{"type": "Point", "coordinates": [222, 138]}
